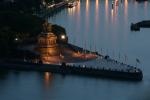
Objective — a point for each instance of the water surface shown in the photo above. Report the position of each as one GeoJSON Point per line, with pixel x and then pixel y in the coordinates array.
{"type": "Point", "coordinates": [94, 25]}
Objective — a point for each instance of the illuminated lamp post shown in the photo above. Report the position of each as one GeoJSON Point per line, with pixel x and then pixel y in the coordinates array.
{"type": "Point", "coordinates": [63, 37]}
{"type": "Point", "coordinates": [16, 39]}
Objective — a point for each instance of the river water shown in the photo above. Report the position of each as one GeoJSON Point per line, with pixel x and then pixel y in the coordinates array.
{"type": "Point", "coordinates": [94, 25]}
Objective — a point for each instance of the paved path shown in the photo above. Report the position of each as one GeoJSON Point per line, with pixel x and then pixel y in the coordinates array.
{"type": "Point", "coordinates": [101, 62]}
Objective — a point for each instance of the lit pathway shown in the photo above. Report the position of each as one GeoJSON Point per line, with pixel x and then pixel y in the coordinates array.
{"type": "Point", "coordinates": [111, 64]}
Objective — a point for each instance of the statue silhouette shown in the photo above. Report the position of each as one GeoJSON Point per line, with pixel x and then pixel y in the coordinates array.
{"type": "Point", "coordinates": [47, 27]}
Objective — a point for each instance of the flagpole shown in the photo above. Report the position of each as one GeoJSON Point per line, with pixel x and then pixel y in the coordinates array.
{"type": "Point", "coordinates": [90, 48]}
{"type": "Point", "coordinates": [95, 47]}
{"type": "Point", "coordinates": [101, 51]}
{"type": "Point", "coordinates": [119, 56]}
{"type": "Point", "coordinates": [137, 61]}
{"type": "Point", "coordinates": [113, 54]}
{"type": "Point", "coordinates": [125, 59]}
{"type": "Point", "coordinates": [106, 51]}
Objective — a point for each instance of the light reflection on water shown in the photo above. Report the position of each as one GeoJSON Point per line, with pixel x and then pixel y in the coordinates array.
{"type": "Point", "coordinates": [96, 15]}
{"type": "Point", "coordinates": [109, 29]}
{"type": "Point", "coordinates": [47, 78]}
{"type": "Point", "coordinates": [91, 22]}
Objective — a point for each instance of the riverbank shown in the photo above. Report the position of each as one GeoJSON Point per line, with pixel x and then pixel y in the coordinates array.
{"type": "Point", "coordinates": [74, 70]}
{"type": "Point", "coordinates": [85, 63]}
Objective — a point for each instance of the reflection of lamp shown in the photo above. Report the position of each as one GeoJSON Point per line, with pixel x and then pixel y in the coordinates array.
{"type": "Point", "coordinates": [63, 37]}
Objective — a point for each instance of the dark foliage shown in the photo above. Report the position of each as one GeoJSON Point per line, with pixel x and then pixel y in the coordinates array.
{"type": "Point", "coordinates": [58, 30]}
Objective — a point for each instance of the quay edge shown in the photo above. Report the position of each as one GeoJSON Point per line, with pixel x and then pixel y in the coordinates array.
{"type": "Point", "coordinates": [74, 70]}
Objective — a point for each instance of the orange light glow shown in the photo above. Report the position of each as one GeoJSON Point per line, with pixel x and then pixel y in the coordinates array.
{"type": "Point", "coordinates": [47, 78]}
{"type": "Point", "coordinates": [71, 11]}
{"type": "Point", "coordinates": [87, 16]}
{"type": "Point", "coordinates": [126, 10]}
{"type": "Point", "coordinates": [78, 7]}
{"type": "Point", "coordinates": [125, 7]}
{"type": "Point", "coordinates": [63, 37]}
{"type": "Point", "coordinates": [145, 7]}
{"type": "Point", "coordinates": [112, 12]}
{"type": "Point", "coordinates": [96, 5]}
{"type": "Point", "coordinates": [78, 15]}
{"type": "Point", "coordinates": [87, 6]}
{"type": "Point", "coordinates": [96, 14]}
{"type": "Point", "coordinates": [116, 7]}
{"type": "Point", "coordinates": [106, 8]}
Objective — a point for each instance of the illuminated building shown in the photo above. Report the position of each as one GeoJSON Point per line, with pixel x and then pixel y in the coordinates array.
{"type": "Point", "coordinates": [47, 46]}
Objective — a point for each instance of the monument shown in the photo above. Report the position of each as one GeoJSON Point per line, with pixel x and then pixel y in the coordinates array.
{"type": "Point", "coordinates": [47, 44]}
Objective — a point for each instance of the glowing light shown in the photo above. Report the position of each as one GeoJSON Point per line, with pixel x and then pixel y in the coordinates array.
{"type": "Point", "coordinates": [16, 39]}
{"type": "Point", "coordinates": [63, 37]}
{"type": "Point", "coordinates": [61, 56]}
{"type": "Point", "coordinates": [106, 5]}
{"type": "Point", "coordinates": [112, 12]}
{"type": "Point", "coordinates": [87, 6]}
{"type": "Point", "coordinates": [96, 14]}
{"type": "Point", "coordinates": [78, 16]}
{"type": "Point", "coordinates": [126, 9]}
{"type": "Point", "coordinates": [112, 15]}
{"type": "Point", "coordinates": [71, 11]}
{"type": "Point", "coordinates": [78, 7]}
{"type": "Point", "coordinates": [87, 18]}
{"type": "Point", "coordinates": [106, 9]}
{"type": "Point", "coordinates": [126, 6]}
{"type": "Point", "coordinates": [47, 78]}
{"type": "Point", "coordinates": [96, 5]}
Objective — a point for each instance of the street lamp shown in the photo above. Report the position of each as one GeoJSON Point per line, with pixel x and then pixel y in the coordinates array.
{"type": "Point", "coordinates": [63, 37]}
{"type": "Point", "coordinates": [16, 39]}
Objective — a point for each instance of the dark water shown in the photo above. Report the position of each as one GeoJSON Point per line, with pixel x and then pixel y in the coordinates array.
{"type": "Point", "coordinates": [92, 25]}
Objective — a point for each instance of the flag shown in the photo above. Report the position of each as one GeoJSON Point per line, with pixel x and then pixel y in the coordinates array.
{"type": "Point", "coordinates": [137, 60]}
